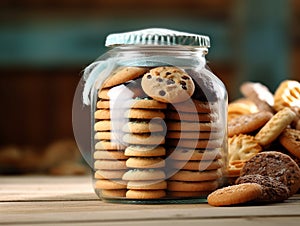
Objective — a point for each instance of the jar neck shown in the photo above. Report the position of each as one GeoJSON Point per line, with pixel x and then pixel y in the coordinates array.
{"type": "Point", "coordinates": [179, 51]}
{"type": "Point", "coordinates": [153, 56]}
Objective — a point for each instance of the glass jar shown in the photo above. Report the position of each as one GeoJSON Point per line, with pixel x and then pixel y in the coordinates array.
{"type": "Point", "coordinates": [158, 119]}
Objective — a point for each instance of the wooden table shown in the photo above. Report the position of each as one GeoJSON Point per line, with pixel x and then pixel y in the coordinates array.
{"type": "Point", "coordinates": [46, 200]}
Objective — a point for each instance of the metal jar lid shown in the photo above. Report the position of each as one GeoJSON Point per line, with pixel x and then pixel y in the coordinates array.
{"type": "Point", "coordinates": [157, 36]}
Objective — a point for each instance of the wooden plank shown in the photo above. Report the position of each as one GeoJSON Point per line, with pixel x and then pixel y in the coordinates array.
{"type": "Point", "coordinates": [45, 200]}
{"type": "Point", "coordinates": [40, 188]}
{"type": "Point", "coordinates": [266, 221]}
{"type": "Point", "coordinates": [97, 211]}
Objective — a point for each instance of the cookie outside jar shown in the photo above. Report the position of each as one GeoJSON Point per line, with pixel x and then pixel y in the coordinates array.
{"type": "Point", "coordinates": [158, 118]}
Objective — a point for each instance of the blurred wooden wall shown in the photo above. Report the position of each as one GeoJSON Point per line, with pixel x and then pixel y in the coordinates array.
{"type": "Point", "coordinates": [44, 45]}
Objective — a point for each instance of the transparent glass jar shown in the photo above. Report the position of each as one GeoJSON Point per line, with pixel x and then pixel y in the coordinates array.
{"type": "Point", "coordinates": [158, 119]}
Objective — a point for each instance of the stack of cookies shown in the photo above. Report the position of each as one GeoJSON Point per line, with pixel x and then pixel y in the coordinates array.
{"type": "Point", "coordinates": [110, 160]}
{"type": "Point", "coordinates": [144, 135]}
{"type": "Point", "coordinates": [160, 128]}
{"type": "Point", "coordinates": [195, 148]}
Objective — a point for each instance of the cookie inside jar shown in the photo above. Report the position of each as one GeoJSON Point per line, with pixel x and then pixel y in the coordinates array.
{"type": "Point", "coordinates": [159, 134]}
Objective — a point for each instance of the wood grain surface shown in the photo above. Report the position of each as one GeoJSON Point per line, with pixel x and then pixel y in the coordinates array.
{"type": "Point", "coordinates": [44, 200]}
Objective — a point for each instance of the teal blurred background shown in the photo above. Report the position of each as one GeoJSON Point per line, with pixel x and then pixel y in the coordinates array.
{"type": "Point", "coordinates": [45, 45]}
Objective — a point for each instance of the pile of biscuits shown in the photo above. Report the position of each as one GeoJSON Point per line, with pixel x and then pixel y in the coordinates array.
{"type": "Point", "coordinates": [263, 121]}
{"type": "Point", "coordinates": [267, 177]}
{"type": "Point", "coordinates": [263, 145]}
{"type": "Point", "coordinates": [157, 134]}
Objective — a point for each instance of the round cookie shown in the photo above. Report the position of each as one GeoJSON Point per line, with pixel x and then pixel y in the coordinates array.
{"type": "Point", "coordinates": [186, 116]}
{"type": "Point", "coordinates": [194, 135]}
{"type": "Point", "coordinates": [103, 104]}
{"type": "Point", "coordinates": [287, 95]}
{"type": "Point", "coordinates": [103, 94]}
{"type": "Point", "coordinates": [194, 106]}
{"type": "Point", "coordinates": [235, 194]}
{"type": "Point", "coordinates": [107, 125]}
{"type": "Point", "coordinates": [145, 194]}
{"type": "Point", "coordinates": [145, 151]}
{"type": "Point", "coordinates": [144, 114]}
{"type": "Point", "coordinates": [277, 165]}
{"type": "Point", "coordinates": [187, 175]}
{"type": "Point", "coordinates": [122, 75]}
{"type": "Point", "coordinates": [141, 163]}
{"type": "Point", "coordinates": [197, 165]}
{"type": "Point", "coordinates": [113, 193]}
{"type": "Point", "coordinates": [195, 143]}
{"type": "Point", "coordinates": [248, 123]}
{"type": "Point", "coordinates": [273, 128]}
{"type": "Point", "coordinates": [144, 139]}
{"type": "Point", "coordinates": [290, 139]}
{"type": "Point", "coordinates": [272, 190]}
{"type": "Point", "coordinates": [146, 185]}
{"type": "Point", "coordinates": [103, 125]}
{"type": "Point", "coordinates": [145, 103]}
{"type": "Point", "coordinates": [192, 126]}
{"type": "Point", "coordinates": [109, 155]}
{"type": "Point", "coordinates": [242, 107]}
{"type": "Point", "coordinates": [144, 126]}
{"type": "Point", "coordinates": [144, 174]}
{"type": "Point", "coordinates": [168, 84]}
{"type": "Point", "coordinates": [109, 174]}
{"type": "Point", "coordinates": [194, 154]}
{"type": "Point", "coordinates": [192, 186]}
{"type": "Point", "coordinates": [110, 184]}
{"type": "Point", "coordinates": [102, 114]}
{"type": "Point", "coordinates": [259, 94]}
{"type": "Point", "coordinates": [110, 164]}
{"type": "Point", "coordinates": [107, 145]}
{"type": "Point", "coordinates": [109, 136]}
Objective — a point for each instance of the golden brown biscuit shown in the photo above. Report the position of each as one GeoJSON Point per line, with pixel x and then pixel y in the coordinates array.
{"type": "Point", "coordinates": [248, 123]}
{"type": "Point", "coordinates": [192, 186]}
{"type": "Point", "coordinates": [110, 184]}
{"type": "Point", "coordinates": [194, 154]}
{"type": "Point", "coordinates": [147, 185]}
{"type": "Point", "coordinates": [122, 75]}
{"type": "Point", "coordinates": [145, 194]}
{"type": "Point", "coordinates": [290, 139]}
{"type": "Point", "coordinates": [145, 151]}
{"type": "Point", "coordinates": [144, 174]}
{"type": "Point", "coordinates": [113, 193]}
{"type": "Point", "coordinates": [109, 174]}
{"type": "Point", "coordinates": [259, 94]}
{"type": "Point", "coordinates": [273, 128]}
{"type": "Point", "coordinates": [235, 194]}
{"type": "Point", "coordinates": [145, 163]}
{"type": "Point", "coordinates": [144, 126]}
{"type": "Point", "coordinates": [187, 175]}
{"type": "Point", "coordinates": [144, 138]}
{"type": "Point", "coordinates": [287, 95]}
